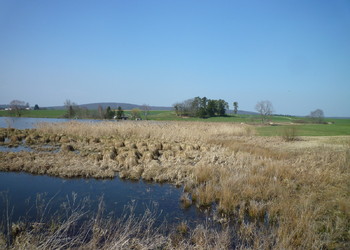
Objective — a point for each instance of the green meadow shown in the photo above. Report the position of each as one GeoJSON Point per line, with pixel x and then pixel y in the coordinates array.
{"type": "Point", "coordinates": [334, 127]}
{"type": "Point", "coordinates": [44, 113]}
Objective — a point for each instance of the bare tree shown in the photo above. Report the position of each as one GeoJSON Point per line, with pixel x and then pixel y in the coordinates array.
{"type": "Point", "coordinates": [317, 116]}
{"type": "Point", "coordinates": [145, 108]}
{"type": "Point", "coordinates": [71, 108]}
{"type": "Point", "coordinates": [100, 112]}
{"type": "Point", "coordinates": [17, 107]}
{"type": "Point", "coordinates": [265, 109]}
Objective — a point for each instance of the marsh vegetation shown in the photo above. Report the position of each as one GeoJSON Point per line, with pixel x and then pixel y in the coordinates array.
{"type": "Point", "coordinates": [269, 192]}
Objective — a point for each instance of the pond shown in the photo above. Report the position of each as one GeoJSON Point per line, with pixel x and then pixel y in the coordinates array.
{"type": "Point", "coordinates": [22, 190]}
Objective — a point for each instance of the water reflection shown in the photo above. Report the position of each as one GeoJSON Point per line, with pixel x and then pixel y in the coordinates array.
{"type": "Point", "coordinates": [22, 190]}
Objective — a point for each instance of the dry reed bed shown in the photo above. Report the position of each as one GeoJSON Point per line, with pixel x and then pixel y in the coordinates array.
{"type": "Point", "coordinates": [280, 194]}
{"type": "Point", "coordinates": [169, 131]}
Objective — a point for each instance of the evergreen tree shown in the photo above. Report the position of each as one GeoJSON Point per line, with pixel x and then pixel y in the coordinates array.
{"type": "Point", "coordinates": [109, 113]}
{"type": "Point", "coordinates": [120, 113]}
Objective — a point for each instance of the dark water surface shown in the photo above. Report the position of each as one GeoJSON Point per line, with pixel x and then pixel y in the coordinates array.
{"type": "Point", "coordinates": [22, 189]}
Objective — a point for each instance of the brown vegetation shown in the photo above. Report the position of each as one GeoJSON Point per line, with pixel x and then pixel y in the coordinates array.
{"type": "Point", "coordinates": [281, 193]}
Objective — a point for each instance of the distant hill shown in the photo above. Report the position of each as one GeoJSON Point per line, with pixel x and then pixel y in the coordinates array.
{"type": "Point", "coordinates": [114, 105]}
{"type": "Point", "coordinates": [242, 112]}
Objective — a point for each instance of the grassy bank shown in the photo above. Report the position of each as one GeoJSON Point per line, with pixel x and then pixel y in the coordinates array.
{"type": "Point", "coordinates": [278, 194]}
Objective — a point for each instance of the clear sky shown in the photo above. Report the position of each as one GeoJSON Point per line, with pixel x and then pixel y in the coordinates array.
{"type": "Point", "coordinates": [295, 54]}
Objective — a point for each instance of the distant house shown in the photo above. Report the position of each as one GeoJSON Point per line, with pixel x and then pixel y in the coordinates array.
{"type": "Point", "coordinates": [124, 118]}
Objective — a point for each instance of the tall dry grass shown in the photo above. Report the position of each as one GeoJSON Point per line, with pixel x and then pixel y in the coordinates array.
{"type": "Point", "coordinates": [169, 131]}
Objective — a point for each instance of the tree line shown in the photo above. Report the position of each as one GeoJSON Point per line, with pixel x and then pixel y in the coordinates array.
{"type": "Point", "coordinates": [75, 111]}
{"type": "Point", "coordinates": [201, 107]}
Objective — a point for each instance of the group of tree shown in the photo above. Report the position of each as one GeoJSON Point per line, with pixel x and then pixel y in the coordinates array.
{"type": "Point", "coordinates": [75, 111]}
{"type": "Point", "coordinates": [201, 107]}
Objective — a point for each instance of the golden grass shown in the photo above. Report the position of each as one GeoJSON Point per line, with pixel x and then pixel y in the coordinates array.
{"type": "Point", "coordinates": [168, 131]}
{"type": "Point", "coordinates": [282, 194]}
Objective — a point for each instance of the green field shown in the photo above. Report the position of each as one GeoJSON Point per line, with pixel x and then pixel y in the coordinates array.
{"type": "Point", "coordinates": [334, 128]}
{"type": "Point", "coordinates": [340, 127]}
{"type": "Point", "coordinates": [45, 113]}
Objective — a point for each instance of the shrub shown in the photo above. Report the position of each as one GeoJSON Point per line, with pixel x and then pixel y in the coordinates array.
{"type": "Point", "coordinates": [289, 133]}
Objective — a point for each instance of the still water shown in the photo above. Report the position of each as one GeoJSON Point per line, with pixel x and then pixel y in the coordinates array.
{"type": "Point", "coordinates": [24, 122]}
{"type": "Point", "coordinates": [21, 191]}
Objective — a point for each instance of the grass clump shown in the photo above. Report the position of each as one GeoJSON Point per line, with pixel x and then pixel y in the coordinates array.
{"type": "Point", "coordinates": [186, 201]}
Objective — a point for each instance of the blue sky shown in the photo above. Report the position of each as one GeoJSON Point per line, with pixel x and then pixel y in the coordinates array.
{"type": "Point", "coordinates": [294, 53]}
